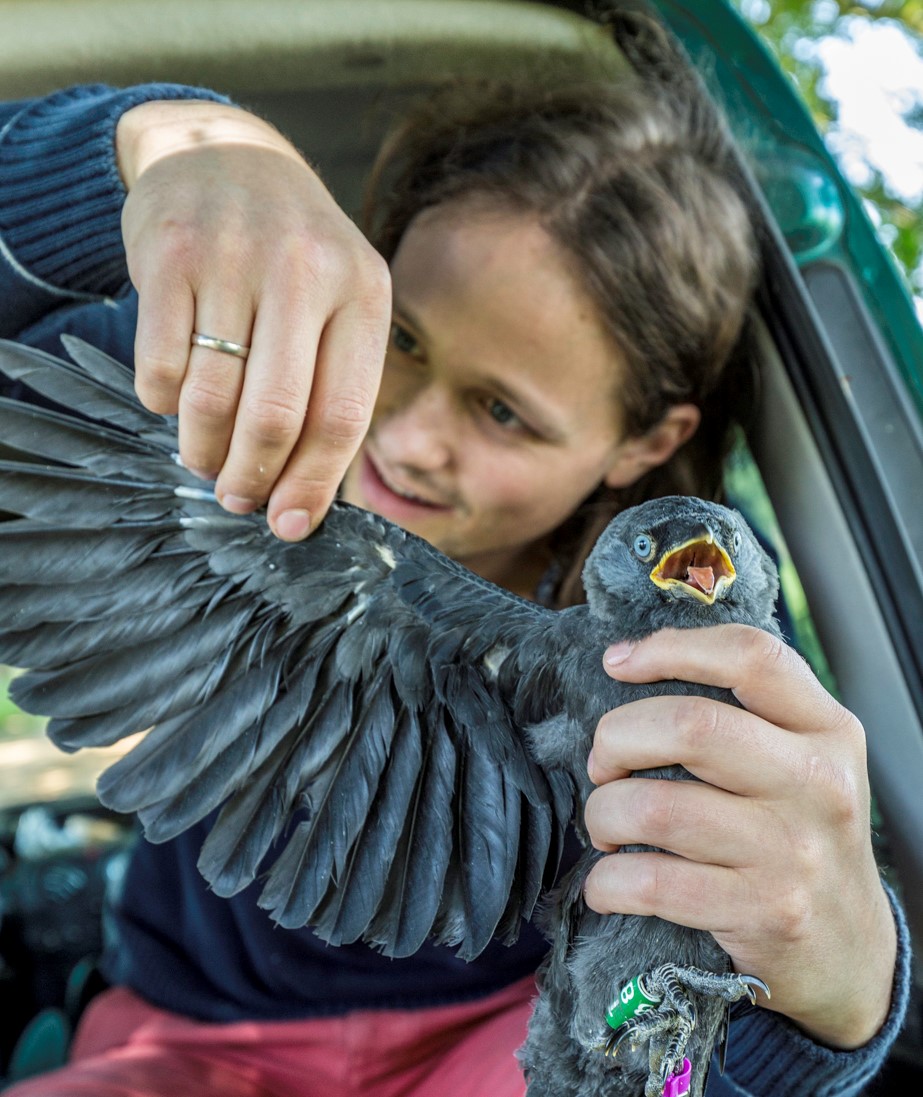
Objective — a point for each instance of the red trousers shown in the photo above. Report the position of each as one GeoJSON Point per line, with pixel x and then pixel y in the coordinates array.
{"type": "Point", "coordinates": [127, 1048]}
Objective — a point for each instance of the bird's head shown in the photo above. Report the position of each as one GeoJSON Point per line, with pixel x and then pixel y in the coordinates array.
{"type": "Point", "coordinates": [679, 562]}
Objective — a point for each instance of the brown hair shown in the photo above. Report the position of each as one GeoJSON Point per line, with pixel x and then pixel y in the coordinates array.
{"type": "Point", "coordinates": [638, 184]}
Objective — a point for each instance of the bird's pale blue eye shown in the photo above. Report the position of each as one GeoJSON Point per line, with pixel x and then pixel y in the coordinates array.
{"type": "Point", "coordinates": [736, 541]}
{"type": "Point", "coordinates": [643, 546]}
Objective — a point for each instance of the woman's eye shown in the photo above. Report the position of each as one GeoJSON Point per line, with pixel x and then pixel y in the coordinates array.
{"type": "Point", "coordinates": [501, 413]}
{"type": "Point", "coordinates": [402, 340]}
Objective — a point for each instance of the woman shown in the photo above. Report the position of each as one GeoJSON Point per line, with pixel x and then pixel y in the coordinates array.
{"type": "Point", "coordinates": [570, 281]}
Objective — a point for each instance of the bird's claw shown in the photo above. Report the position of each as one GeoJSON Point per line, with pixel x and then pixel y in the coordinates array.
{"type": "Point", "coordinates": [658, 1007]}
{"type": "Point", "coordinates": [751, 985]}
{"type": "Point", "coordinates": [614, 1039]}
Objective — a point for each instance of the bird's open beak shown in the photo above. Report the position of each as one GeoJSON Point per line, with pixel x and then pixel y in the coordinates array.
{"type": "Point", "coordinates": [700, 568]}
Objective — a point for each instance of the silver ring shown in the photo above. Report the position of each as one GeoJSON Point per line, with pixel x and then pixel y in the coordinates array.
{"type": "Point", "coordinates": [224, 345]}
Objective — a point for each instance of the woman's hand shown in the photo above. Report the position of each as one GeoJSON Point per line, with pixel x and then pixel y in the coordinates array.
{"type": "Point", "coordinates": [775, 855]}
{"type": "Point", "coordinates": [229, 233]}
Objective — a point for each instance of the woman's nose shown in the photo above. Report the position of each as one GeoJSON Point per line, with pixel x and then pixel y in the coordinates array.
{"type": "Point", "coordinates": [415, 428]}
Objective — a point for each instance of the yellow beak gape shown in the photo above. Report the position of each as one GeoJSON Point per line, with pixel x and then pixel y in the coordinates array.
{"type": "Point", "coordinates": [699, 569]}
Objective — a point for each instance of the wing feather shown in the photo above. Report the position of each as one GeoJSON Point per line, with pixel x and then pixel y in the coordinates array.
{"type": "Point", "coordinates": [43, 555]}
{"type": "Point", "coordinates": [337, 801]}
{"type": "Point", "coordinates": [60, 438]}
{"type": "Point", "coordinates": [167, 584]}
{"type": "Point", "coordinates": [96, 388]}
{"type": "Point", "coordinates": [350, 906]}
{"type": "Point", "coordinates": [79, 639]}
{"type": "Point", "coordinates": [416, 876]}
{"type": "Point", "coordinates": [103, 368]}
{"type": "Point", "coordinates": [182, 754]}
{"type": "Point", "coordinates": [482, 869]}
{"type": "Point", "coordinates": [153, 679]}
{"type": "Point", "coordinates": [46, 494]}
{"type": "Point", "coordinates": [263, 806]}
{"type": "Point", "coordinates": [342, 710]}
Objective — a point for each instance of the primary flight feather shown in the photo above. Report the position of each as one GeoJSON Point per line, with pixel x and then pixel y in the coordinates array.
{"type": "Point", "coordinates": [406, 740]}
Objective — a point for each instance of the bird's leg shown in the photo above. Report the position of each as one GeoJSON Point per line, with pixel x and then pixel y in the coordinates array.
{"type": "Point", "coordinates": [667, 1031]}
{"type": "Point", "coordinates": [658, 1007]}
{"type": "Point", "coordinates": [665, 1080]}
{"type": "Point", "coordinates": [674, 979]}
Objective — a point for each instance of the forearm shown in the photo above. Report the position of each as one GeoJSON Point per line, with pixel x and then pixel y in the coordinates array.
{"type": "Point", "coordinates": [61, 197]}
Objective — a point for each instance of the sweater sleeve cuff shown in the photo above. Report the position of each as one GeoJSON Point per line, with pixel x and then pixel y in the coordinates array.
{"type": "Point", "coordinates": [61, 195]}
{"type": "Point", "coordinates": [767, 1054]}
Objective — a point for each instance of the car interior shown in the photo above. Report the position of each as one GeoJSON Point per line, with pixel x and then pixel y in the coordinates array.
{"type": "Point", "coordinates": [836, 443]}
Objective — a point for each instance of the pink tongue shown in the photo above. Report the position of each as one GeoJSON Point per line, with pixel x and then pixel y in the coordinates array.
{"type": "Point", "coordinates": [703, 578]}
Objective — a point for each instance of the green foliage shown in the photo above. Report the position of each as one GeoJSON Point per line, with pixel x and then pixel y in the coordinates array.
{"type": "Point", "coordinates": [14, 724]}
{"type": "Point", "coordinates": [792, 28]}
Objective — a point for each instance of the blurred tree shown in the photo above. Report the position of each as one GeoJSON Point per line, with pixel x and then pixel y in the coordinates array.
{"type": "Point", "coordinates": [800, 33]}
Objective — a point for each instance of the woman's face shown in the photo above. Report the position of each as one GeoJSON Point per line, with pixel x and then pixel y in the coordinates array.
{"type": "Point", "coordinates": [499, 410]}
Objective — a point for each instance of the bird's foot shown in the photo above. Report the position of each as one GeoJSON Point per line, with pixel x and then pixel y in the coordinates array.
{"type": "Point", "coordinates": [657, 1007]}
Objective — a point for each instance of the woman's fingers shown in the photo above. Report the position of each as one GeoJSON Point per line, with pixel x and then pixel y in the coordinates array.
{"type": "Point", "coordinates": [765, 675]}
{"type": "Point", "coordinates": [268, 413]}
{"type": "Point", "coordinates": [162, 342]}
{"type": "Point", "coordinates": [678, 891]}
{"type": "Point", "coordinates": [212, 384]}
{"type": "Point", "coordinates": [229, 233]}
{"type": "Point", "coordinates": [345, 382]}
{"type": "Point", "coordinates": [717, 742]}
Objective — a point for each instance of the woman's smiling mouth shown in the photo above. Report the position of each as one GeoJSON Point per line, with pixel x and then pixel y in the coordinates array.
{"type": "Point", "coordinates": [391, 499]}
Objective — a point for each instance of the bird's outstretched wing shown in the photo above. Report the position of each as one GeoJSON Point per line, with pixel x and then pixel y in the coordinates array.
{"type": "Point", "coordinates": [351, 700]}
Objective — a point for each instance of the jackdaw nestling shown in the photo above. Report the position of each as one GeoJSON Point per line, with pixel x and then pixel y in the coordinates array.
{"type": "Point", "coordinates": [397, 746]}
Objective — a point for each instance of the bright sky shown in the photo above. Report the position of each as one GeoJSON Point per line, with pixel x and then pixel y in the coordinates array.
{"type": "Point", "coordinates": [874, 71]}
{"type": "Point", "coordinates": [876, 76]}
